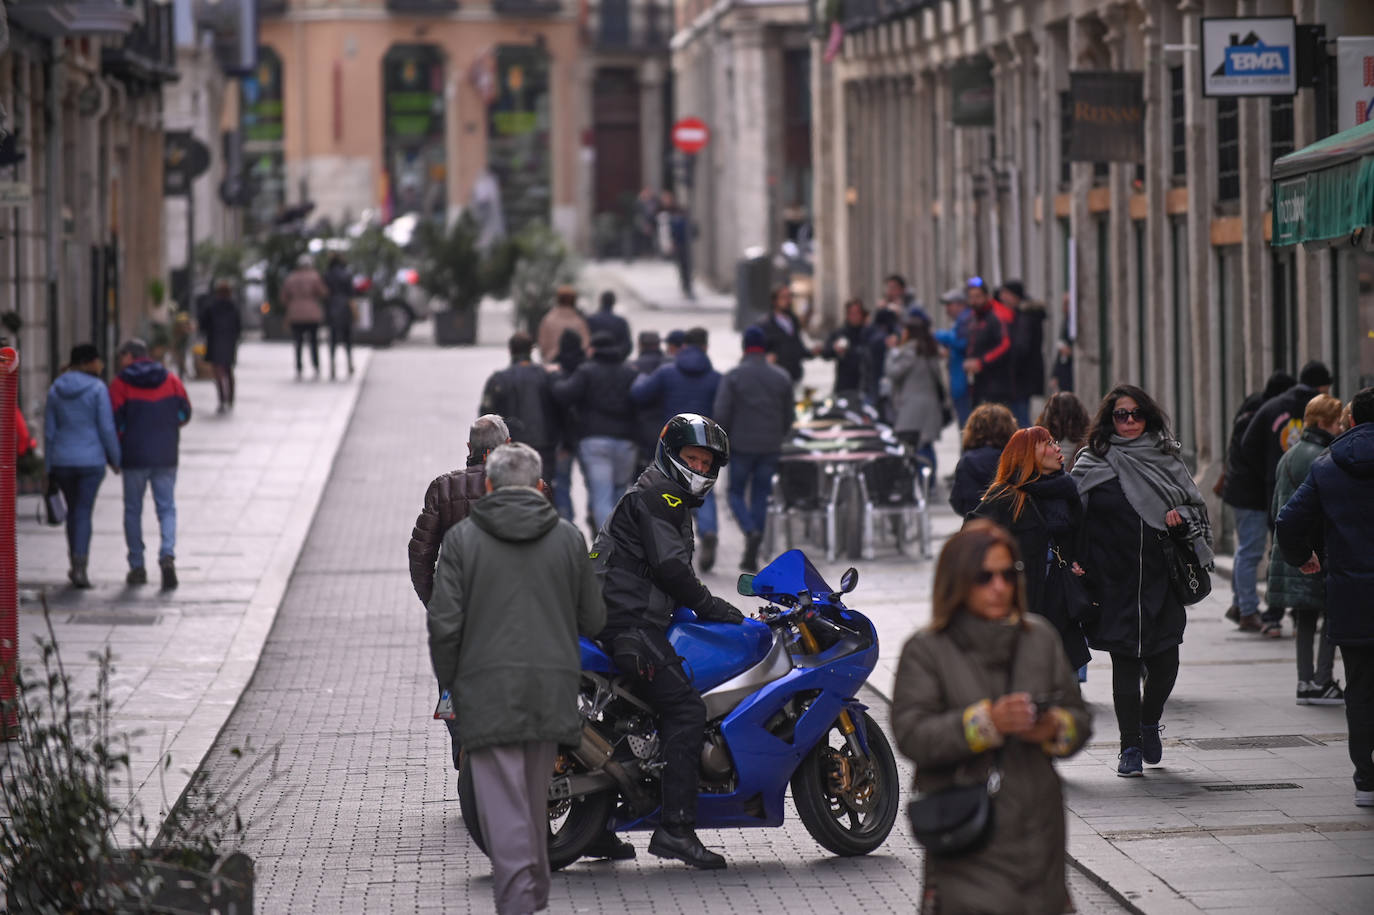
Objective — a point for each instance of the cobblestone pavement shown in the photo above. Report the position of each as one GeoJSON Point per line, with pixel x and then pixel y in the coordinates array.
{"type": "Point", "coordinates": [363, 815]}
{"type": "Point", "coordinates": [247, 486]}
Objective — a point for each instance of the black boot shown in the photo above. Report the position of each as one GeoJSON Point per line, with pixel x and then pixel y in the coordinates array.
{"type": "Point", "coordinates": [750, 561]}
{"type": "Point", "coordinates": [681, 842]}
{"type": "Point", "coordinates": [610, 846]}
{"type": "Point", "coordinates": [169, 572]}
{"type": "Point", "coordinates": [77, 574]}
{"type": "Point", "coordinates": [707, 560]}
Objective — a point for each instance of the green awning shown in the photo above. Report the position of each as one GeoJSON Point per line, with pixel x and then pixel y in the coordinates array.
{"type": "Point", "coordinates": [1325, 191]}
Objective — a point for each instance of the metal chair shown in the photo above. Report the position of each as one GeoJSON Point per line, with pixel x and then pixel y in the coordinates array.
{"type": "Point", "coordinates": [896, 489]}
{"type": "Point", "coordinates": [801, 489]}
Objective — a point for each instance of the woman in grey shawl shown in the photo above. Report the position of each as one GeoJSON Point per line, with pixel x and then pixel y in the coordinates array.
{"type": "Point", "coordinates": [1134, 489]}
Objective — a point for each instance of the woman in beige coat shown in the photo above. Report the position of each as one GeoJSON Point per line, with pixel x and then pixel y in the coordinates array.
{"type": "Point", "coordinates": [304, 293]}
{"type": "Point", "coordinates": [987, 684]}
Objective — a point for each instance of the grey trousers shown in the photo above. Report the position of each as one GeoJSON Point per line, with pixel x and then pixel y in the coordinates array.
{"type": "Point", "coordinates": [511, 782]}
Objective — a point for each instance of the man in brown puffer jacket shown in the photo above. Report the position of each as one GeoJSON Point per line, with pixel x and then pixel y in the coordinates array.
{"type": "Point", "coordinates": [448, 500]}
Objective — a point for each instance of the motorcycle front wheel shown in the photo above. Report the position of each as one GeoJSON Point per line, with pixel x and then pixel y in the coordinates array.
{"type": "Point", "coordinates": [573, 824]}
{"type": "Point", "coordinates": [848, 803]}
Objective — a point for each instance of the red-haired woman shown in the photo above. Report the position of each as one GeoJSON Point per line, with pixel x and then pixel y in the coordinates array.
{"type": "Point", "coordinates": [1032, 497]}
{"type": "Point", "coordinates": [986, 686]}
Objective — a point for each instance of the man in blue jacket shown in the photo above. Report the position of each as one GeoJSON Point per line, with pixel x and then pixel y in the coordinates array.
{"type": "Point", "coordinates": [150, 407]}
{"type": "Point", "coordinates": [1331, 509]}
{"type": "Point", "coordinates": [688, 384]}
{"type": "Point", "coordinates": [955, 339]}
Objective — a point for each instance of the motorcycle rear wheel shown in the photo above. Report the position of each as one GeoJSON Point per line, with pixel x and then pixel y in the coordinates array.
{"type": "Point", "coordinates": [854, 818]}
{"type": "Point", "coordinates": [582, 823]}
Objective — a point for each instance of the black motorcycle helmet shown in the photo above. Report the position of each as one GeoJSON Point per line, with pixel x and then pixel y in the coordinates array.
{"type": "Point", "coordinates": [691, 429]}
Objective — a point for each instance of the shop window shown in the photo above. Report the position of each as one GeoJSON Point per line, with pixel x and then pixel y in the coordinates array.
{"type": "Point", "coordinates": [1280, 126]}
{"type": "Point", "coordinates": [1228, 149]}
{"type": "Point", "coordinates": [1178, 144]}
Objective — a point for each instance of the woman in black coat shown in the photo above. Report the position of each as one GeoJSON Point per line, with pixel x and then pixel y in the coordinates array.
{"type": "Point", "coordinates": [222, 326]}
{"type": "Point", "coordinates": [986, 433]}
{"type": "Point", "coordinates": [339, 311]}
{"type": "Point", "coordinates": [1135, 489]}
{"type": "Point", "coordinates": [1032, 497]}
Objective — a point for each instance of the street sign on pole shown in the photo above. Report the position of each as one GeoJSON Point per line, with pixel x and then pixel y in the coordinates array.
{"type": "Point", "coordinates": [184, 160]}
{"type": "Point", "coordinates": [690, 135]}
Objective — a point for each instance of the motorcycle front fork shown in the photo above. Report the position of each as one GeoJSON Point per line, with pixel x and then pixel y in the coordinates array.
{"type": "Point", "coordinates": [847, 728]}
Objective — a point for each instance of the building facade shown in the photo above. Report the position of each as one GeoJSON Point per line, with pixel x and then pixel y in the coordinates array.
{"type": "Point", "coordinates": [399, 106]}
{"type": "Point", "coordinates": [630, 112]}
{"type": "Point", "coordinates": [1174, 284]}
{"type": "Point", "coordinates": [744, 67]}
{"type": "Point", "coordinates": [81, 208]}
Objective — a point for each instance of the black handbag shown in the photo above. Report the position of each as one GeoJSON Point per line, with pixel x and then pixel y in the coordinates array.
{"type": "Point", "coordinates": [958, 820]}
{"type": "Point", "coordinates": [1187, 575]}
{"type": "Point", "coordinates": [54, 505]}
{"type": "Point", "coordinates": [1070, 589]}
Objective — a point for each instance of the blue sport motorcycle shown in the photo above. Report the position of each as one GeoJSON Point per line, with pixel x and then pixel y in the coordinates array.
{"type": "Point", "coordinates": [781, 708]}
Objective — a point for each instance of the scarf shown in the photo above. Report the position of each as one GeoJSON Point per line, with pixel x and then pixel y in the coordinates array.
{"type": "Point", "coordinates": [1155, 482]}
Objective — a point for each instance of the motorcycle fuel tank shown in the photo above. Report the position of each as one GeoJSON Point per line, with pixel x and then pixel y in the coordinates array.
{"type": "Point", "coordinates": [714, 652]}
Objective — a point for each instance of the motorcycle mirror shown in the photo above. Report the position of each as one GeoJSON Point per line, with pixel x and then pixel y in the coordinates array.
{"type": "Point", "coordinates": [849, 580]}
{"type": "Point", "coordinates": [746, 584]}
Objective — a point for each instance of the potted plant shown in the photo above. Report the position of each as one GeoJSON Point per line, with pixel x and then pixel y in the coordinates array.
{"type": "Point", "coordinates": [453, 270]}
{"type": "Point", "coordinates": [543, 265]}
{"type": "Point", "coordinates": [68, 843]}
{"type": "Point", "coordinates": [280, 250]}
{"type": "Point", "coordinates": [377, 258]}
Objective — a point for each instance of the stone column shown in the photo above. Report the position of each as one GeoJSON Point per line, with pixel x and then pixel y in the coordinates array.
{"type": "Point", "coordinates": [651, 122]}
{"type": "Point", "coordinates": [1254, 300]}
{"type": "Point", "coordinates": [1159, 330]}
{"type": "Point", "coordinates": [1204, 312]}
{"type": "Point", "coordinates": [749, 197]}
{"type": "Point", "coordinates": [1124, 361]}
{"type": "Point", "coordinates": [827, 171]}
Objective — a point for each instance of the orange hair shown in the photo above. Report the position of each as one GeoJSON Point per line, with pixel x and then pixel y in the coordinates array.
{"type": "Point", "coordinates": [1017, 467]}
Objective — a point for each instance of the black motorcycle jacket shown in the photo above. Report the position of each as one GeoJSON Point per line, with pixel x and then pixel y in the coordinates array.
{"type": "Point", "coordinates": [644, 557]}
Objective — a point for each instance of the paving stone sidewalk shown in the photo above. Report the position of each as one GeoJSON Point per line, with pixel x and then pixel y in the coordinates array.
{"type": "Point", "coordinates": [1252, 807]}
{"type": "Point", "coordinates": [247, 487]}
{"type": "Point", "coordinates": [363, 816]}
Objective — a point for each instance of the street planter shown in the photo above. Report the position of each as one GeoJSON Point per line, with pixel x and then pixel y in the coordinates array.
{"type": "Point", "coordinates": [191, 884]}
{"type": "Point", "coordinates": [274, 326]}
{"type": "Point", "coordinates": [455, 327]}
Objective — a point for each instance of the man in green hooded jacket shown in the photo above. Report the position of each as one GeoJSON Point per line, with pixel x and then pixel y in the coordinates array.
{"type": "Point", "coordinates": [512, 591]}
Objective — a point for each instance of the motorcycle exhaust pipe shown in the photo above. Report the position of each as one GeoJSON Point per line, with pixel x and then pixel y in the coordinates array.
{"type": "Point", "coordinates": [594, 752]}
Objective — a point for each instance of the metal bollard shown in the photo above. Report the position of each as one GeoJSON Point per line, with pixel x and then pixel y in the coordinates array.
{"type": "Point", "coordinates": [9, 557]}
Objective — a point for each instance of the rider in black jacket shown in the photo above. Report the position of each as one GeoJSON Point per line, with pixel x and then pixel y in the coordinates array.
{"type": "Point", "coordinates": [644, 554]}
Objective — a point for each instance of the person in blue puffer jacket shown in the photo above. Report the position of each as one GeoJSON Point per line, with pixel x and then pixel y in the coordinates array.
{"type": "Point", "coordinates": [80, 440]}
{"type": "Point", "coordinates": [688, 384]}
{"type": "Point", "coordinates": [955, 339]}
{"type": "Point", "coordinates": [150, 407]}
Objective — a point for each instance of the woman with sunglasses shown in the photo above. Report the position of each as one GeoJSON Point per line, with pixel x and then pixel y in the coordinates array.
{"type": "Point", "coordinates": [986, 686]}
{"type": "Point", "coordinates": [1032, 497]}
{"type": "Point", "coordinates": [1135, 489]}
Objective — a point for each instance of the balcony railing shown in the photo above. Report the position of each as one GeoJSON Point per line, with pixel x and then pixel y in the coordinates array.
{"type": "Point", "coordinates": [630, 25]}
{"type": "Point", "coordinates": [272, 7]}
{"type": "Point", "coordinates": [422, 7]}
{"type": "Point", "coordinates": [57, 18]}
{"type": "Point", "coordinates": [148, 52]}
{"type": "Point", "coordinates": [527, 8]}
{"type": "Point", "coordinates": [857, 15]}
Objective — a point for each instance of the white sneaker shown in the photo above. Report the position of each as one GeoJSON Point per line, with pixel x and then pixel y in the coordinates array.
{"type": "Point", "coordinates": [1305, 692]}
{"type": "Point", "coordinates": [1364, 798]}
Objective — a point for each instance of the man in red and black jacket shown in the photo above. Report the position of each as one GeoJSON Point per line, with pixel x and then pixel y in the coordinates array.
{"type": "Point", "coordinates": [150, 407]}
{"type": "Point", "coordinates": [988, 363]}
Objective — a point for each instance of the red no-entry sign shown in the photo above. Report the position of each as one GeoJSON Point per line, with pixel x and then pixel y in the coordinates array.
{"type": "Point", "coordinates": [690, 135]}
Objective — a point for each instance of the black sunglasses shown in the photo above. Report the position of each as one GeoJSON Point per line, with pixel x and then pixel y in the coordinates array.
{"type": "Point", "coordinates": [1009, 574]}
{"type": "Point", "coordinates": [1122, 415]}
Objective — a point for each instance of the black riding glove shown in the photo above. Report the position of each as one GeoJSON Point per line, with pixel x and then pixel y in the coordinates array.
{"type": "Point", "coordinates": [720, 611]}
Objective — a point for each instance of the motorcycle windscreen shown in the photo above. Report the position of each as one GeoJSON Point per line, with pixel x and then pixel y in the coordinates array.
{"type": "Point", "coordinates": [791, 573]}
{"type": "Point", "coordinates": [714, 652]}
